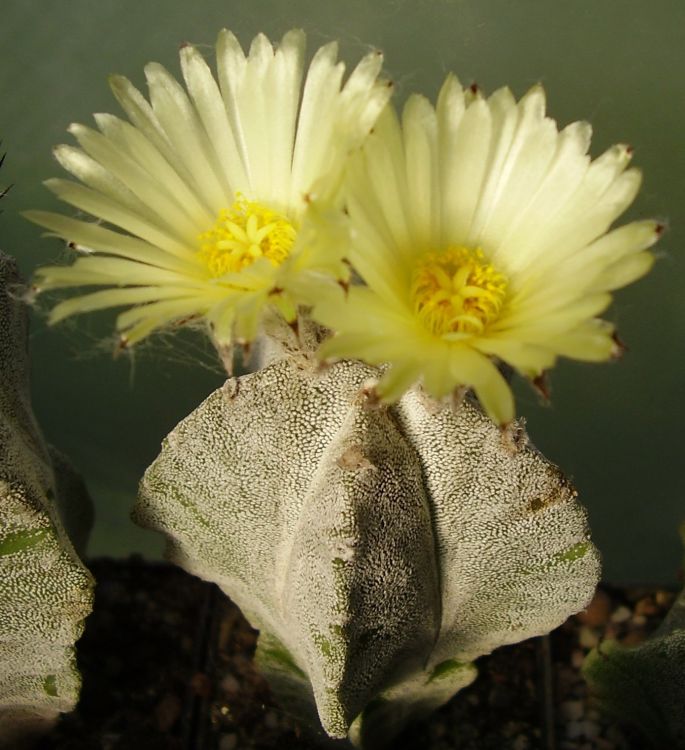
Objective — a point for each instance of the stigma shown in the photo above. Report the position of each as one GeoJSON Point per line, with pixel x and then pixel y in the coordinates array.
{"type": "Point", "coordinates": [456, 293]}
{"type": "Point", "coordinates": [244, 233]}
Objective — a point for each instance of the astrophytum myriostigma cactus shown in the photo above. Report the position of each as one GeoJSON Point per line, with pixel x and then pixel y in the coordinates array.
{"type": "Point", "coordinates": [379, 550]}
{"type": "Point", "coordinates": [45, 591]}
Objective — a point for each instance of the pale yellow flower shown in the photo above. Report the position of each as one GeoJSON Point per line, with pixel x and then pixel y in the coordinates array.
{"type": "Point", "coordinates": [482, 235]}
{"type": "Point", "coordinates": [214, 192]}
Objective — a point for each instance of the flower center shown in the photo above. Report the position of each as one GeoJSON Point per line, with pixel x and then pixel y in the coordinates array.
{"type": "Point", "coordinates": [456, 292]}
{"type": "Point", "coordinates": [244, 233]}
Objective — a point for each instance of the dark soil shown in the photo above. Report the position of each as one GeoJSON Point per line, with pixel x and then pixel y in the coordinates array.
{"type": "Point", "coordinates": [167, 665]}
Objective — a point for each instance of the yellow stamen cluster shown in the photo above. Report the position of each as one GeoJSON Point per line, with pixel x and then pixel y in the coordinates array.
{"type": "Point", "coordinates": [244, 233]}
{"type": "Point", "coordinates": [456, 292]}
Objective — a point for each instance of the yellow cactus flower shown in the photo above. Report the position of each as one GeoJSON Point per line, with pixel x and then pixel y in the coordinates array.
{"type": "Point", "coordinates": [207, 201]}
{"type": "Point", "coordinates": [482, 235]}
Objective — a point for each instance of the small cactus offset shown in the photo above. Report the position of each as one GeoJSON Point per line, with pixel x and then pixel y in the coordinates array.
{"type": "Point", "coordinates": [45, 591]}
{"type": "Point", "coordinates": [379, 549]}
{"type": "Point", "coordinates": [645, 685]}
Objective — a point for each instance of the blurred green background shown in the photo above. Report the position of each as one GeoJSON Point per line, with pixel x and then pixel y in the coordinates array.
{"type": "Point", "coordinates": [616, 429]}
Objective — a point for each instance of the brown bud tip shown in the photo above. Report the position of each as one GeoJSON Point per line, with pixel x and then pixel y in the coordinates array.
{"type": "Point", "coordinates": [323, 365]}
{"type": "Point", "coordinates": [541, 386]}
{"type": "Point", "coordinates": [369, 395]}
{"type": "Point", "coordinates": [513, 436]}
{"type": "Point", "coordinates": [620, 346]}
{"type": "Point", "coordinates": [474, 88]}
{"type": "Point", "coordinates": [183, 321]}
{"type": "Point", "coordinates": [457, 397]}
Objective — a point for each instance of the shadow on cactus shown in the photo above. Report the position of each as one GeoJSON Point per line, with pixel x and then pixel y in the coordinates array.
{"type": "Point", "coordinates": [379, 550]}
{"type": "Point", "coordinates": [644, 685]}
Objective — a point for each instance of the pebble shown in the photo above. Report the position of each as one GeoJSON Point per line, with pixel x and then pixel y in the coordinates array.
{"type": "Point", "coordinates": [230, 685]}
{"type": "Point", "coordinates": [571, 710]}
{"type": "Point", "coordinates": [201, 685]}
{"type": "Point", "coordinates": [566, 678]}
{"type": "Point", "coordinates": [634, 638]}
{"type": "Point", "coordinates": [598, 611]}
{"type": "Point", "coordinates": [646, 607]}
{"type": "Point", "coordinates": [167, 712]}
{"type": "Point", "coordinates": [228, 742]}
{"type": "Point", "coordinates": [634, 593]}
{"type": "Point", "coordinates": [621, 614]}
{"type": "Point", "coordinates": [639, 621]}
{"type": "Point", "coordinates": [577, 658]}
{"type": "Point", "coordinates": [664, 599]}
{"type": "Point", "coordinates": [588, 638]}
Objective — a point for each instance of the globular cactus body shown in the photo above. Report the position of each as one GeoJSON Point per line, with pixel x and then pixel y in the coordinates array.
{"type": "Point", "coordinates": [379, 550]}
{"type": "Point", "coordinates": [45, 591]}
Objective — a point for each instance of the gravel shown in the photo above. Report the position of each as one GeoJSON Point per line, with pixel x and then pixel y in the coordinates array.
{"type": "Point", "coordinates": [167, 665]}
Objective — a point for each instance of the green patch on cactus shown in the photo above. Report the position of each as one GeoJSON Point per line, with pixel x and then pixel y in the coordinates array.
{"type": "Point", "coordinates": [22, 540]}
{"type": "Point", "coordinates": [50, 685]}
{"type": "Point", "coordinates": [447, 669]}
{"type": "Point", "coordinates": [326, 648]}
{"type": "Point", "coordinates": [279, 655]}
{"type": "Point", "coordinates": [571, 555]}
{"type": "Point", "coordinates": [192, 508]}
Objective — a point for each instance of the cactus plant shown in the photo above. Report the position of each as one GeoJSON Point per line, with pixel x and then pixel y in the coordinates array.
{"type": "Point", "coordinates": [644, 685]}
{"type": "Point", "coordinates": [379, 549]}
{"type": "Point", "coordinates": [45, 591]}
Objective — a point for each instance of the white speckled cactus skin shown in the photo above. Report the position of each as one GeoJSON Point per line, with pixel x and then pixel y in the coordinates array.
{"type": "Point", "coordinates": [45, 591]}
{"type": "Point", "coordinates": [378, 550]}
